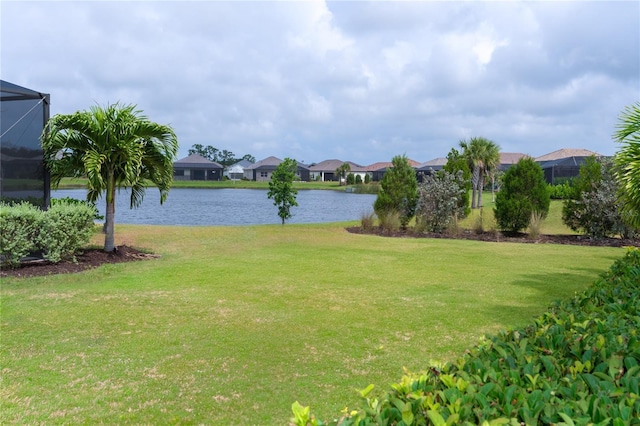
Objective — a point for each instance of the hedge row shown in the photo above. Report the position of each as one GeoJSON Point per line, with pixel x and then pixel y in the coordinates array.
{"type": "Point", "coordinates": [57, 233]}
{"type": "Point", "coordinates": [578, 364]}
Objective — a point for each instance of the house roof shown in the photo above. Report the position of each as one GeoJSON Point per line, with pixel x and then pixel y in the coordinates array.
{"type": "Point", "coordinates": [196, 161]}
{"type": "Point", "coordinates": [265, 162]}
{"type": "Point", "coordinates": [436, 163]}
{"type": "Point", "coordinates": [566, 153]}
{"type": "Point", "coordinates": [382, 165]}
{"type": "Point", "coordinates": [270, 163]}
{"type": "Point", "coordinates": [511, 157]}
{"type": "Point", "coordinates": [332, 165]}
{"type": "Point", "coordinates": [244, 163]}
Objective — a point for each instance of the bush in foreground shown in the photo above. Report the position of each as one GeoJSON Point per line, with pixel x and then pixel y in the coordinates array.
{"type": "Point", "coordinates": [57, 233]}
{"type": "Point", "coordinates": [578, 364]}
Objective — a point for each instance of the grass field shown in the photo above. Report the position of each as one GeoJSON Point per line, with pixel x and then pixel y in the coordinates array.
{"type": "Point", "coordinates": [233, 324]}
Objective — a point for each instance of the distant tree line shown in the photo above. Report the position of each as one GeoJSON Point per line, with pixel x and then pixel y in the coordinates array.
{"type": "Point", "coordinates": [223, 157]}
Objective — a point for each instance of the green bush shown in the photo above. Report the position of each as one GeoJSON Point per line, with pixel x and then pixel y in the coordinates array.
{"type": "Point", "coordinates": [367, 178]}
{"type": "Point", "coordinates": [351, 179]}
{"type": "Point", "coordinates": [398, 191]}
{"type": "Point", "coordinates": [358, 180]}
{"type": "Point", "coordinates": [64, 228]}
{"type": "Point", "coordinates": [19, 225]}
{"type": "Point", "coordinates": [577, 364]}
{"type": "Point", "coordinates": [57, 233]}
{"type": "Point", "coordinates": [562, 191]}
{"type": "Point", "coordinates": [524, 191]}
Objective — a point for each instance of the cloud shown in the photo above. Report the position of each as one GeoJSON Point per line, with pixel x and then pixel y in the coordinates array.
{"type": "Point", "coordinates": [359, 81]}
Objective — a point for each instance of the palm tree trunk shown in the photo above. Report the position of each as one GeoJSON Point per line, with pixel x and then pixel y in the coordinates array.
{"type": "Point", "coordinates": [109, 219]}
{"type": "Point", "coordinates": [480, 188]}
{"type": "Point", "coordinates": [474, 186]}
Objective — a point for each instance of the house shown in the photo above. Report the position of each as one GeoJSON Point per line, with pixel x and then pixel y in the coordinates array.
{"type": "Point", "coordinates": [326, 170]}
{"type": "Point", "coordinates": [563, 164]}
{"type": "Point", "coordinates": [262, 170]}
{"type": "Point", "coordinates": [430, 167]}
{"type": "Point", "coordinates": [196, 167]}
{"type": "Point", "coordinates": [508, 159]}
{"type": "Point", "coordinates": [236, 171]}
{"type": "Point", "coordinates": [377, 170]}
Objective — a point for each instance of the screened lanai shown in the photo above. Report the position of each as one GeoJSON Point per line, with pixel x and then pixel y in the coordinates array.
{"type": "Point", "coordinates": [23, 115]}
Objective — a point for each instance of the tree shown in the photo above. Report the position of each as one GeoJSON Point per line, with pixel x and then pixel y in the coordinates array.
{"type": "Point", "coordinates": [628, 162]}
{"type": "Point", "coordinates": [114, 147]}
{"type": "Point", "coordinates": [342, 171]}
{"type": "Point", "coordinates": [281, 188]}
{"type": "Point", "coordinates": [456, 162]}
{"type": "Point", "coordinates": [595, 206]}
{"type": "Point", "coordinates": [398, 191]}
{"type": "Point", "coordinates": [439, 200]}
{"type": "Point", "coordinates": [482, 155]}
{"type": "Point", "coordinates": [524, 192]}
{"type": "Point", "coordinates": [224, 157]}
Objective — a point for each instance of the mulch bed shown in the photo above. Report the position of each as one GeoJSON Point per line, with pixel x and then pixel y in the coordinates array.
{"type": "Point", "coordinates": [504, 238]}
{"type": "Point", "coordinates": [90, 258]}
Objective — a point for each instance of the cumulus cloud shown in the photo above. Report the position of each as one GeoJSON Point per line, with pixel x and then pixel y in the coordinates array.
{"type": "Point", "coordinates": [359, 81]}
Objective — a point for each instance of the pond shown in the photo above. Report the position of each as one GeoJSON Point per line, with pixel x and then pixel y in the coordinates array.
{"type": "Point", "coordinates": [185, 206]}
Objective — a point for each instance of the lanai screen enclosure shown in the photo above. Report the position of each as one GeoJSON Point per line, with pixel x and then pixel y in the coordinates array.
{"type": "Point", "coordinates": [23, 115]}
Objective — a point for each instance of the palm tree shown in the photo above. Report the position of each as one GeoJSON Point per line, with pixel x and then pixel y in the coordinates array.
{"type": "Point", "coordinates": [628, 162]}
{"type": "Point", "coordinates": [114, 147]}
{"type": "Point", "coordinates": [483, 156]}
{"type": "Point", "coordinates": [342, 171]}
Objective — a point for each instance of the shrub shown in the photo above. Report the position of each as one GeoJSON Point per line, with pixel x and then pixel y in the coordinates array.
{"type": "Point", "coordinates": [594, 206]}
{"type": "Point", "coordinates": [562, 191]}
{"type": "Point", "coordinates": [367, 178]}
{"type": "Point", "coordinates": [351, 179]}
{"type": "Point", "coordinates": [358, 180]}
{"type": "Point", "coordinates": [535, 224]}
{"type": "Point", "coordinates": [523, 192]}
{"type": "Point", "coordinates": [19, 225]}
{"type": "Point", "coordinates": [439, 200]}
{"type": "Point", "coordinates": [64, 228]}
{"type": "Point", "coordinates": [398, 191]}
{"type": "Point", "coordinates": [390, 221]}
{"type": "Point", "coordinates": [57, 233]}
{"type": "Point", "coordinates": [367, 221]}
{"type": "Point", "coordinates": [579, 363]}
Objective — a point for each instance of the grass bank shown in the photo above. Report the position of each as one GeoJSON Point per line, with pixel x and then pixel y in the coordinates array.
{"type": "Point", "coordinates": [232, 324]}
{"type": "Point", "coordinates": [71, 183]}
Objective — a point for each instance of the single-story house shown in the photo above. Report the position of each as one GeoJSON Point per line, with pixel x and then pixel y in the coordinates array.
{"type": "Point", "coordinates": [563, 164]}
{"type": "Point", "coordinates": [263, 169]}
{"type": "Point", "coordinates": [196, 167]}
{"type": "Point", "coordinates": [430, 167]}
{"type": "Point", "coordinates": [326, 170]}
{"type": "Point", "coordinates": [377, 170]}
{"type": "Point", "coordinates": [236, 171]}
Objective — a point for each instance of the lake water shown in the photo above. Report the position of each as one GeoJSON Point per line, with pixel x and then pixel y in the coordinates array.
{"type": "Point", "coordinates": [230, 206]}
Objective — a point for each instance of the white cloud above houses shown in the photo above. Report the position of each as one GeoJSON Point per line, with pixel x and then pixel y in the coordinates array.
{"type": "Point", "coordinates": [360, 81]}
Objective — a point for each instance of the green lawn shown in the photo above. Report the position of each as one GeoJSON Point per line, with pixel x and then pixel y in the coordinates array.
{"type": "Point", "coordinates": [233, 324]}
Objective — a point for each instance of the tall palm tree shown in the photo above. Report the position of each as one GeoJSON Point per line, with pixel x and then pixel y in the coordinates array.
{"type": "Point", "coordinates": [483, 156]}
{"type": "Point", "coordinates": [628, 162]}
{"type": "Point", "coordinates": [114, 147]}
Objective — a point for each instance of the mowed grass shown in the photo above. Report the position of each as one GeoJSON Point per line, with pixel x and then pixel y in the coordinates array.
{"type": "Point", "coordinates": [233, 324]}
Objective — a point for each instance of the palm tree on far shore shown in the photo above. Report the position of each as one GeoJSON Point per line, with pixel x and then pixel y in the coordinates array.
{"type": "Point", "coordinates": [483, 156]}
{"type": "Point", "coordinates": [113, 147]}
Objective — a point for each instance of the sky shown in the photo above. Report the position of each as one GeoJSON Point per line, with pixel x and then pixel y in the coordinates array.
{"type": "Point", "coordinates": [359, 81]}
